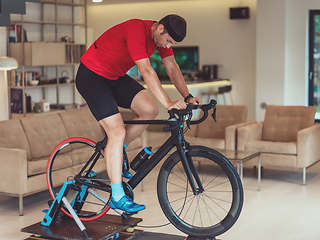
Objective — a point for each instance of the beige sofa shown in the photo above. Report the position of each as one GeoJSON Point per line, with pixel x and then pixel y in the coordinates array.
{"type": "Point", "coordinates": [26, 143]}
{"type": "Point", "coordinates": [287, 137]}
{"type": "Point", "coordinates": [221, 134]}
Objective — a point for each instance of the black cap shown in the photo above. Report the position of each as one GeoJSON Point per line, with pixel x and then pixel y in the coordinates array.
{"type": "Point", "coordinates": [175, 25]}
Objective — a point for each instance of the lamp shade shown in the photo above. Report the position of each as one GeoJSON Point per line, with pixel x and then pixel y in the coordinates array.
{"type": "Point", "coordinates": [8, 63]}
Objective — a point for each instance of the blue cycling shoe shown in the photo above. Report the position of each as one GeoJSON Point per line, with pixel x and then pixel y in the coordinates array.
{"type": "Point", "coordinates": [126, 204]}
{"type": "Point", "coordinates": [127, 174]}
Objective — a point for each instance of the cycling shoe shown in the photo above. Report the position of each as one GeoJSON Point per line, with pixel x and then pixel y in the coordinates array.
{"type": "Point", "coordinates": [127, 175]}
{"type": "Point", "coordinates": [126, 204]}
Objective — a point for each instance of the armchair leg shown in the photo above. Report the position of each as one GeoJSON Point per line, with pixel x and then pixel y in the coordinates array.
{"type": "Point", "coordinates": [20, 204]}
{"type": "Point", "coordinates": [304, 175]}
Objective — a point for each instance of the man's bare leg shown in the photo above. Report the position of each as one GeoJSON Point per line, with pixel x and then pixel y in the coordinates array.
{"type": "Point", "coordinates": [146, 109]}
{"type": "Point", "coordinates": [114, 128]}
{"type": "Point", "coordinates": [113, 155]}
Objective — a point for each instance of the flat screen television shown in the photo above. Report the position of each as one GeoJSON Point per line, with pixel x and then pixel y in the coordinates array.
{"type": "Point", "coordinates": [186, 57]}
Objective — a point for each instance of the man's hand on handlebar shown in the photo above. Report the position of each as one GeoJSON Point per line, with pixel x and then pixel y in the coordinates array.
{"type": "Point", "coordinates": [179, 104]}
{"type": "Point", "coordinates": [194, 101]}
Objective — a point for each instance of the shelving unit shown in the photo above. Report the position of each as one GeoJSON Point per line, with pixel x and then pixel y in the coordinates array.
{"type": "Point", "coordinates": [53, 19]}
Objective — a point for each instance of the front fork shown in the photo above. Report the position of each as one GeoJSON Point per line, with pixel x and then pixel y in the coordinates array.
{"type": "Point", "coordinates": [187, 163]}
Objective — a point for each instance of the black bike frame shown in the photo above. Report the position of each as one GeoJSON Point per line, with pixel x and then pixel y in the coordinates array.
{"type": "Point", "coordinates": [175, 140]}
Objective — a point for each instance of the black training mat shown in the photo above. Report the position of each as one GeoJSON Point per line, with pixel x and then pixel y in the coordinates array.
{"type": "Point", "coordinates": [67, 229]}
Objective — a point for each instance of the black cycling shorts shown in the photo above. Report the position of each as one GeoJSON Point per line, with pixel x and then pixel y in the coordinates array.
{"type": "Point", "coordinates": [103, 95]}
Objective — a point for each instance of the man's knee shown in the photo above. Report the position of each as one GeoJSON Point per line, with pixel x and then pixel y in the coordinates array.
{"type": "Point", "coordinates": [114, 127]}
{"type": "Point", "coordinates": [118, 133]}
{"type": "Point", "coordinates": [151, 111]}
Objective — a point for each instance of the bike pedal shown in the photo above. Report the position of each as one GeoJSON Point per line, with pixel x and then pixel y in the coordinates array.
{"type": "Point", "coordinates": [127, 216]}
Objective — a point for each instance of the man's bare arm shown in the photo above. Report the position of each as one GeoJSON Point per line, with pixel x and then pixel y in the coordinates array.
{"type": "Point", "coordinates": [150, 77]}
{"type": "Point", "coordinates": [175, 75]}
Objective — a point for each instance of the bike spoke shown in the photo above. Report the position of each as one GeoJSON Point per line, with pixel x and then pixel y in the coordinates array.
{"type": "Point", "coordinates": [93, 203]}
{"type": "Point", "coordinates": [219, 184]}
{"type": "Point", "coordinates": [195, 211]}
{"type": "Point", "coordinates": [218, 191]}
{"type": "Point", "coordinates": [208, 207]}
{"type": "Point", "coordinates": [97, 196]}
{"type": "Point", "coordinates": [179, 177]}
{"type": "Point", "coordinates": [199, 210]}
{"type": "Point", "coordinates": [216, 203]}
{"type": "Point", "coordinates": [210, 182]}
{"type": "Point", "coordinates": [185, 205]}
{"type": "Point", "coordinates": [180, 199]}
{"type": "Point", "coordinates": [183, 187]}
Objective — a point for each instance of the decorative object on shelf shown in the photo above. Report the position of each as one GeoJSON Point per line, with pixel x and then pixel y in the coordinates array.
{"type": "Point", "coordinates": [45, 105]}
{"type": "Point", "coordinates": [33, 82]}
{"type": "Point", "coordinates": [65, 78]}
{"type": "Point", "coordinates": [37, 107]}
{"type": "Point", "coordinates": [16, 101]}
{"type": "Point", "coordinates": [66, 39]}
{"type": "Point", "coordinates": [28, 103]}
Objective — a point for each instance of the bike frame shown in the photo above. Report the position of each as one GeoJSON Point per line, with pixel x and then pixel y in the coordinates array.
{"type": "Point", "coordinates": [175, 140]}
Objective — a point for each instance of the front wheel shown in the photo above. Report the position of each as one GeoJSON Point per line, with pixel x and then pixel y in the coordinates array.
{"type": "Point", "coordinates": [210, 212]}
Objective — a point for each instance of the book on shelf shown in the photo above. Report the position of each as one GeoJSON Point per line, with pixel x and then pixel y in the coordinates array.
{"type": "Point", "coordinates": [17, 33]}
{"type": "Point", "coordinates": [19, 78]}
{"type": "Point", "coordinates": [74, 52]}
{"type": "Point", "coordinates": [16, 100]}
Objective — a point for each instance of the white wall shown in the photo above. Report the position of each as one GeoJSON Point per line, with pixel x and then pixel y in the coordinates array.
{"type": "Point", "coordinates": [230, 43]}
{"type": "Point", "coordinates": [3, 77]}
{"type": "Point", "coordinates": [3, 41]}
{"type": "Point", "coordinates": [270, 41]}
{"type": "Point", "coordinates": [282, 52]}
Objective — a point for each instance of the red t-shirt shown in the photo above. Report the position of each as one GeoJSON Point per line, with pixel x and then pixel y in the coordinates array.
{"type": "Point", "coordinates": [117, 49]}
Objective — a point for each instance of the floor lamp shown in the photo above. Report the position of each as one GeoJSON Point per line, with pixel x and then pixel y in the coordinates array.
{"type": "Point", "coordinates": [6, 64]}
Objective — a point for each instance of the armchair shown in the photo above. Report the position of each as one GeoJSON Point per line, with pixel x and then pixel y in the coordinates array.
{"type": "Point", "coordinates": [222, 133]}
{"type": "Point", "coordinates": [287, 137]}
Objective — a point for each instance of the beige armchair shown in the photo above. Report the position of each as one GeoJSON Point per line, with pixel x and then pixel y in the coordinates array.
{"type": "Point", "coordinates": [222, 133]}
{"type": "Point", "coordinates": [288, 137]}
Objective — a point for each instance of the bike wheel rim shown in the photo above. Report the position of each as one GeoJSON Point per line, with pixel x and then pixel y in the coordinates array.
{"type": "Point", "coordinates": [59, 147]}
{"type": "Point", "coordinates": [214, 230]}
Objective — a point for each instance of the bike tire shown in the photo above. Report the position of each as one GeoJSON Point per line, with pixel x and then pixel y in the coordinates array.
{"type": "Point", "coordinates": [76, 151]}
{"type": "Point", "coordinates": [215, 167]}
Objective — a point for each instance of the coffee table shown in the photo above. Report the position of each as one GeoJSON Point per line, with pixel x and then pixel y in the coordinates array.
{"type": "Point", "coordinates": [239, 157]}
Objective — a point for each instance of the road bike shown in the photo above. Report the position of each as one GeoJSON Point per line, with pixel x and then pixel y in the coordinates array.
{"type": "Point", "coordinates": [199, 190]}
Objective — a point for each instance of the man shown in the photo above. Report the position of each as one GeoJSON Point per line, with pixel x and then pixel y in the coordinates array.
{"type": "Point", "coordinates": [103, 83]}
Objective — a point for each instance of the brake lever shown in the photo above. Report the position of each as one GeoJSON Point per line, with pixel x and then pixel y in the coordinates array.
{"type": "Point", "coordinates": [189, 119]}
{"type": "Point", "coordinates": [214, 114]}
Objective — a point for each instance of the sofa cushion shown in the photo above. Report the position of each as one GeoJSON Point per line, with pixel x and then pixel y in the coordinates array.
{"type": "Point", "coordinates": [208, 142]}
{"type": "Point", "coordinates": [39, 166]}
{"type": "Point", "coordinates": [226, 115]}
{"type": "Point", "coordinates": [43, 132]}
{"type": "Point", "coordinates": [13, 136]}
{"type": "Point", "coordinates": [81, 123]}
{"type": "Point", "coordinates": [271, 147]}
{"type": "Point", "coordinates": [282, 123]}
